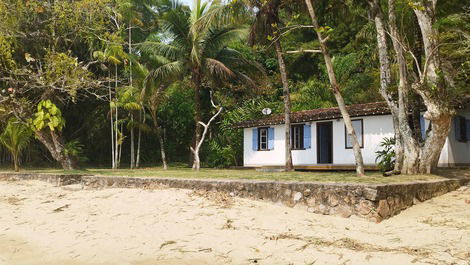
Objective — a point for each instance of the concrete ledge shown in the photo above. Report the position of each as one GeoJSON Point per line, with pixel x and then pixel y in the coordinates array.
{"type": "Point", "coordinates": [374, 202]}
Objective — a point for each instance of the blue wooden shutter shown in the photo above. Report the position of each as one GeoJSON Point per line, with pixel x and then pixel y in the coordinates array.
{"type": "Point", "coordinates": [271, 138]}
{"type": "Point", "coordinates": [307, 136]}
{"type": "Point", "coordinates": [468, 130]}
{"type": "Point", "coordinates": [458, 129]}
{"type": "Point", "coordinates": [422, 125]}
{"type": "Point", "coordinates": [255, 139]}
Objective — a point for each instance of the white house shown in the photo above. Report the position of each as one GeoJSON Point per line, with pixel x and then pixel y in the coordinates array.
{"type": "Point", "coordinates": [319, 139]}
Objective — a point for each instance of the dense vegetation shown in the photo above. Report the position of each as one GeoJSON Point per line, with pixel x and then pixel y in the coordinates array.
{"type": "Point", "coordinates": [120, 83]}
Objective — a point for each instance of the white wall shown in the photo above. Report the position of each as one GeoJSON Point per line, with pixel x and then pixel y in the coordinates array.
{"type": "Point", "coordinates": [455, 152]}
{"type": "Point", "coordinates": [375, 129]}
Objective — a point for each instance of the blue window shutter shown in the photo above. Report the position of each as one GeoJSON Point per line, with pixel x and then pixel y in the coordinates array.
{"type": "Point", "coordinates": [271, 138]}
{"type": "Point", "coordinates": [255, 139]}
{"type": "Point", "coordinates": [307, 136]}
{"type": "Point", "coordinates": [468, 130]}
{"type": "Point", "coordinates": [458, 133]}
{"type": "Point", "coordinates": [422, 125]}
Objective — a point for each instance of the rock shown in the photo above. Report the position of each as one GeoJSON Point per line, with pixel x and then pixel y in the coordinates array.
{"type": "Point", "coordinates": [369, 194]}
{"type": "Point", "coordinates": [365, 207]}
{"type": "Point", "coordinates": [311, 201]}
{"type": "Point", "coordinates": [297, 197]}
{"type": "Point", "coordinates": [322, 209]}
{"type": "Point", "coordinates": [333, 200]}
{"type": "Point", "coordinates": [287, 192]}
{"type": "Point", "coordinates": [343, 211]}
{"type": "Point", "coordinates": [310, 210]}
{"type": "Point", "coordinates": [383, 209]}
{"type": "Point", "coordinates": [307, 192]}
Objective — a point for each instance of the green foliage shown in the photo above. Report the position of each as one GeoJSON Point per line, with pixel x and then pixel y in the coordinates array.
{"type": "Point", "coordinates": [222, 156]}
{"type": "Point", "coordinates": [15, 138]}
{"type": "Point", "coordinates": [385, 158]}
{"type": "Point", "coordinates": [49, 116]}
{"type": "Point", "coordinates": [75, 149]}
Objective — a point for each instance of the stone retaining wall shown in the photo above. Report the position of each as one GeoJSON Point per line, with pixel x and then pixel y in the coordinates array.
{"type": "Point", "coordinates": [371, 201]}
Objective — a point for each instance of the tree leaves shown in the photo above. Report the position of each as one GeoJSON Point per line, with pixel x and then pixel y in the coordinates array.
{"type": "Point", "coordinates": [48, 116]}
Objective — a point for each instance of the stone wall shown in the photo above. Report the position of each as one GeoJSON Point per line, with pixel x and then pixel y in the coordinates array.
{"type": "Point", "coordinates": [374, 202]}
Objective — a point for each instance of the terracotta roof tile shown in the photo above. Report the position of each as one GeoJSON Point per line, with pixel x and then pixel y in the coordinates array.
{"type": "Point", "coordinates": [356, 110]}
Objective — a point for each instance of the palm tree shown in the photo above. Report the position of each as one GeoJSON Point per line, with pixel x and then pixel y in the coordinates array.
{"type": "Point", "coordinates": [266, 26]}
{"type": "Point", "coordinates": [194, 43]}
{"type": "Point", "coordinates": [15, 138]}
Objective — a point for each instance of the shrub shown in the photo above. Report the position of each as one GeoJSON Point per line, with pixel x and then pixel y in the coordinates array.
{"type": "Point", "coordinates": [385, 158]}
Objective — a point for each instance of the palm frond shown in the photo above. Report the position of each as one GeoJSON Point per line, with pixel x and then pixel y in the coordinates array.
{"type": "Point", "coordinates": [169, 51]}
{"type": "Point", "coordinates": [167, 71]}
{"type": "Point", "coordinates": [218, 38]}
{"type": "Point", "coordinates": [218, 69]}
{"type": "Point", "coordinates": [218, 14]}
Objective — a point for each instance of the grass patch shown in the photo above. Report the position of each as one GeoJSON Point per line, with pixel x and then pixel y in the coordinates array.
{"type": "Point", "coordinates": [321, 176]}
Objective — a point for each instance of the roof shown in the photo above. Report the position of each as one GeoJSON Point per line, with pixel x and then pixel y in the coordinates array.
{"type": "Point", "coordinates": [356, 110]}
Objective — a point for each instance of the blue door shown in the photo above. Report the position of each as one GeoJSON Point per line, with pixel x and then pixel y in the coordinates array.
{"type": "Point", "coordinates": [325, 143]}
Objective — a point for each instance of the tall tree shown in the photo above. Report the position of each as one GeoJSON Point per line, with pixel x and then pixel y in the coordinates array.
{"type": "Point", "coordinates": [336, 88]}
{"type": "Point", "coordinates": [432, 81]}
{"type": "Point", "coordinates": [196, 45]}
{"type": "Point", "coordinates": [267, 27]}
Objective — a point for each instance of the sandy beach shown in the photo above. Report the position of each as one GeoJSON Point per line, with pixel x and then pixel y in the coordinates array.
{"type": "Point", "coordinates": [43, 224]}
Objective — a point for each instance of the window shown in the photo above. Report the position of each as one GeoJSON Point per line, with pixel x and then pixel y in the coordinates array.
{"type": "Point", "coordinates": [297, 136]}
{"type": "Point", "coordinates": [460, 129]}
{"type": "Point", "coordinates": [263, 139]}
{"type": "Point", "coordinates": [359, 129]}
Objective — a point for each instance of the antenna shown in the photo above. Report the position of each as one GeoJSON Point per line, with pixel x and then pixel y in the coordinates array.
{"type": "Point", "coordinates": [266, 111]}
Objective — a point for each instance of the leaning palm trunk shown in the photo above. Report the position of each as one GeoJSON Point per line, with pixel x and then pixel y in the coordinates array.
{"type": "Point", "coordinates": [133, 162]}
{"type": "Point", "coordinates": [336, 91]}
{"type": "Point", "coordinates": [287, 106]}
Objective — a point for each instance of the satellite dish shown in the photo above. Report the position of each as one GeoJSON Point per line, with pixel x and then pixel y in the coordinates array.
{"type": "Point", "coordinates": [266, 111]}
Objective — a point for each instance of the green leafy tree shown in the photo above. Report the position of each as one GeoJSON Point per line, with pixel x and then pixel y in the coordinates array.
{"type": "Point", "coordinates": [15, 138]}
{"type": "Point", "coordinates": [195, 44]}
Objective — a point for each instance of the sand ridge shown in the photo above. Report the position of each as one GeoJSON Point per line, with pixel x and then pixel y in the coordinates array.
{"type": "Point", "coordinates": [43, 224]}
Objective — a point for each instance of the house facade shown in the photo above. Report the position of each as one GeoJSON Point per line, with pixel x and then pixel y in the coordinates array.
{"type": "Point", "coordinates": [319, 139]}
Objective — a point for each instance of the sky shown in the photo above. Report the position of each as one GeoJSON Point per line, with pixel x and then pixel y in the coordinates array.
{"type": "Point", "coordinates": [187, 2]}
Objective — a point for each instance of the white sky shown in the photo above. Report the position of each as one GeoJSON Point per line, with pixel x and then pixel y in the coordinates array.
{"type": "Point", "coordinates": [187, 2]}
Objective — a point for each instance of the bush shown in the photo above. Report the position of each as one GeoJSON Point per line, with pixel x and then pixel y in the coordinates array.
{"type": "Point", "coordinates": [385, 158]}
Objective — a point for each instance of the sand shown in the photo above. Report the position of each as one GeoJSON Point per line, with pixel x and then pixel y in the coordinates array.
{"type": "Point", "coordinates": [43, 224]}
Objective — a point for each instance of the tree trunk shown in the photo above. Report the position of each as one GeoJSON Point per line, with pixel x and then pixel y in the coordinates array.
{"type": "Point", "coordinates": [162, 148]}
{"type": "Point", "coordinates": [131, 84]}
{"type": "Point", "coordinates": [385, 79]}
{"type": "Point", "coordinates": [132, 142]}
{"type": "Point", "coordinates": [154, 100]}
{"type": "Point", "coordinates": [336, 92]}
{"type": "Point", "coordinates": [113, 157]}
{"type": "Point", "coordinates": [287, 106]}
{"type": "Point", "coordinates": [116, 128]}
{"type": "Point", "coordinates": [196, 77]}
{"type": "Point", "coordinates": [139, 140]}
{"type": "Point", "coordinates": [195, 150]}
{"type": "Point", "coordinates": [16, 162]}
{"type": "Point", "coordinates": [54, 145]}
{"type": "Point", "coordinates": [410, 144]}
